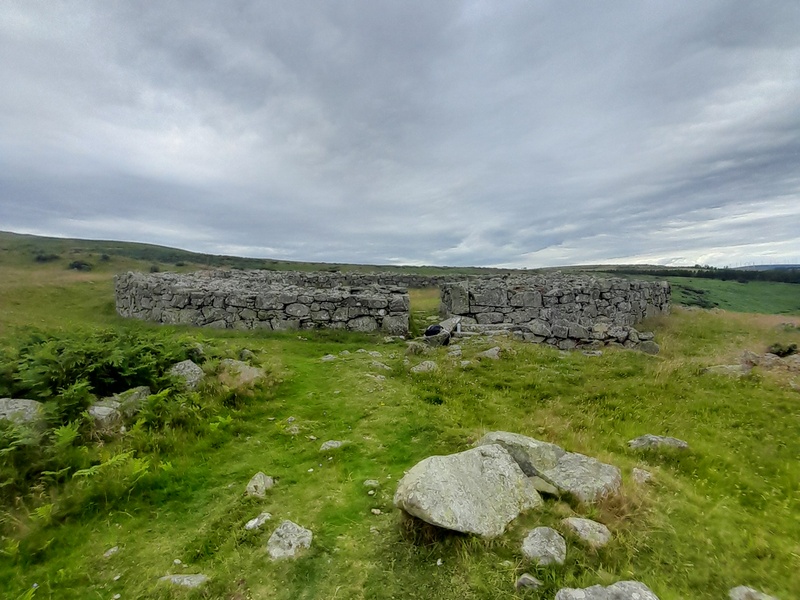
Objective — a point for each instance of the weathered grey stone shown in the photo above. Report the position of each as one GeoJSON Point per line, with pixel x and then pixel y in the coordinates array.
{"type": "Point", "coordinates": [288, 540]}
{"type": "Point", "coordinates": [20, 410]}
{"type": "Point", "coordinates": [648, 347]}
{"type": "Point", "coordinates": [641, 477]}
{"type": "Point", "coordinates": [372, 483]}
{"type": "Point", "coordinates": [426, 366]}
{"type": "Point", "coordinates": [189, 581]}
{"type": "Point", "coordinates": [533, 456]}
{"type": "Point", "coordinates": [732, 370]}
{"type": "Point", "coordinates": [477, 491]}
{"type": "Point", "coordinates": [593, 533]}
{"type": "Point", "coordinates": [491, 354]}
{"type": "Point", "coordinates": [188, 373]}
{"type": "Point", "coordinates": [747, 593]}
{"type": "Point", "coordinates": [586, 478]}
{"type": "Point", "coordinates": [259, 484]}
{"type": "Point", "coordinates": [258, 521]}
{"type": "Point", "coordinates": [238, 374]}
{"type": "Point", "coordinates": [364, 324]}
{"type": "Point", "coordinates": [440, 339]}
{"type": "Point", "coordinates": [622, 590]}
{"type": "Point", "coordinates": [544, 546]}
{"type": "Point", "coordinates": [331, 445]}
{"type": "Point", "coordinates": [106, 413]}
{"type": "Point", "coordinates": [132, 400]}
{"type": "Point", "coordinates": [526, 581]}
{"type": "Point", "coordinates": [656, 442]}
{"type": "Point", "coordinates": [328, 358]}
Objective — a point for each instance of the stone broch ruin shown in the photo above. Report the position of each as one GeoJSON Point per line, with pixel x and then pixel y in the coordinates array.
{"type": "Point", "coordinates": [565, 311]}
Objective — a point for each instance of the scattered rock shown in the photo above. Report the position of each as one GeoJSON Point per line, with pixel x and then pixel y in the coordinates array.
{"type": "Point", "coordinates": [732, 370]}
{"type": "Point", "coordinates": [331, 445]}
{"type": "Point", "coordinates": [372, 483]}
{"type": "Point", "coordinates": [747, 593]}
{"type": "Point", "coordinates": [379, 365]}
{"type": "Point", "coordinates": [622, 590]}
{"type": "Point", "coordinates": [20, 410]}
{"type": "Point", "coordinates": [245, 354]}
{"type": "Point", "coordinates": [593, 533]}
{"type": "Point", "coordinates": [257, 522]}
{"type": "Point", "coordinates": [545, 546]}
{"type": "Point", "coordinates": [374, 354]}
{"type": "Point", "coordinates": [287, 540]}
{"type": "Point", "coordinates": [436, 335]}
{"type": "Point", "coordinates": [328, 358]}
{"type": "Point", "coordinates": [477, 491]}
{"type": "Point", "coordinates": [376, 511]}
{"type": "Point", "coordinates": [648, 347]}
{"type": "Point", "coordinates": [416, 348]}
{"type": "Point", "coordinates": [527, 581]}
{"type": "Point", "coordinates": [533, 456]}
{"type": "Point", "coordinates": [259, 484]}
{"type": "Point", "coordinates": [106, 414]}
{"type": "Point", "coordinates": [237, 374]}
{"type": "Point", "coordinates": [188, 373]}
{"type": "Point", "coordinates": [426, 366]}
{"type": "Point", "coordinates": [641, 477]}
{"type": "Point", "coordinates": [189, 581]}
{"type": "Point", "coordinates": [110, 552]}
{"type": "Point", "coordinates": [491, 354]}
{"type": "Point", "coordinates": [656, 442]}
{"type": "Point", "coordinates": [586, 478]}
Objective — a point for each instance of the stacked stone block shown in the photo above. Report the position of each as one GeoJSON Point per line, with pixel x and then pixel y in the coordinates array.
{"type": "Point", "coordinates": [259, 300]}
{"type": "Point", "coordinates": [566, 311]}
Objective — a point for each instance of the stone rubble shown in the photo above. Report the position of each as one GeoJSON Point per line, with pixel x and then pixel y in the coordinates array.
{"type": "Point", "coordinates": [288, 540]}
{"type": "Point", "coordinates": [544, 546]}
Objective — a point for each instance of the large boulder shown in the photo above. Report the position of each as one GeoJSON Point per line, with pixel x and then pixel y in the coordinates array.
{"type": "Point", "coordinates": [477, 491]}
{"type": "Point", "coordinates": [622, 590]}
{"type": "Point", "coordinates": [20, 410]}
{"type": "Point", "coordinates": [584, 477]}
{"type": "Point", "coordinates": [533, 456]}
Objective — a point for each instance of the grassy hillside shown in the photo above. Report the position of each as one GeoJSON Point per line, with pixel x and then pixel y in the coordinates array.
{"type": "Point", "coordinates": [723, 514]}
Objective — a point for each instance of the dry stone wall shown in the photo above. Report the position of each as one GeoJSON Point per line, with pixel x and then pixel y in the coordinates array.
{"type": "Point", "coordinates": [262, 300]}
{"type": "Point", "coordinates": [566, 311]}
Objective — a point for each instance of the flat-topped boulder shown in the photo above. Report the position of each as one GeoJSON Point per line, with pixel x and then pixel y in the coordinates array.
{"type": "Point", "coordinates": [622, 590]}
{"type": "Point", "coordinates": [477, 491]}
{"type": "Point", "coordinates": [20, 410]}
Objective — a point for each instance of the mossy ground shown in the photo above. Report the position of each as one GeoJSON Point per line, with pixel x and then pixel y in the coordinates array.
{"type": "Point", "coordinates": [725, 513]}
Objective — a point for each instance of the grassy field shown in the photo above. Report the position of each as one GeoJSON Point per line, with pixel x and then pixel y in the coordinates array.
{"type": "Point", "coordinates": [725, 513]}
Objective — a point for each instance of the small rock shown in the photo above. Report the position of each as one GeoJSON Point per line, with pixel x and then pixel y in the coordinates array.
{"type": "Point", "coordinates": [258, 521]}
{"type": "Point", "coordinates": [379, 365]}
{"type": "Point", "coordinates": [328, 357]}
{"type": "Point", "coordinates": [287, 540]}
{"type": "Point", "coordinates": [648, 346]}
{"type": "Point", "coordinates": [177, 562]}
{"type": "Point", "coordinates": [416, 348]}
{"type": "Point", "coordinates": [190, 581]}
{"type": "Point", "coordinates": [117, 577]}
{"type": "Point", "coordinates": [426, 366]}
{"type": "Point", "coordinates": [439, 562]}
{"type": "Point", "coordinates": [527, 581]}
{"type": "Point", "coordinates": [641, 477]}
{"type": "Point", "coordinates": [465, 363]}
{"type": "Point", "coordinates": [293, 430]}
{"type": "Point", "coordinates": [110, 552]}
{"type": "Point", "coordinates": [747, 593]}
{"type": "Point", "coordinates": [491, 353]}
{"type": "Point", "coordinates": [655, 442]}
{"type": "Point", "coordinates": [545, 546]}
{"type": "Point", "coordinates": [374, 354]}
{"type": "Point", "coordinates": [245, 354]}
{"type": "Point", "coordinates": [188, 373]}
{"type": "Point", "coordinates": [259, 484]}
{"type": "Point", "coordinates": [372, 483]}
{"type": "Point", "coordinates": [371, 493]}
{"type": "Point", "coordinates": [622, 590]}
{"type": "Point", "coordinates": [344, 353]}
{"type": "Point", "coordinates": [116, 596]}
{"type": "Point", "coordinates": [593, 533]}
{"type": "Point", "coordinates": [331, 445]}
{"type": "Point", "coordinates": [376, 511]}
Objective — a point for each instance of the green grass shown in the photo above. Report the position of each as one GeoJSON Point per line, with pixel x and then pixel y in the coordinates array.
{"type": "Point", "coordinates": [753, 297]}
{"type": "Point", "coordinates": [725, 513]}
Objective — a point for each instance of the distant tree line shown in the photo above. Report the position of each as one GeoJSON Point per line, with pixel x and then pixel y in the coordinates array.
{"type": "Point", "coordinates": [782, 275]}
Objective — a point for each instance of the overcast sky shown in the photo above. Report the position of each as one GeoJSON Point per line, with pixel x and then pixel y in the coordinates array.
{"type": "Point", "coordinates": [508, 133]}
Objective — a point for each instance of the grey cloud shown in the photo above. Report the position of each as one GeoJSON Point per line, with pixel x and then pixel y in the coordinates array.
{"type": "Point", "coordinates": [469, 132]}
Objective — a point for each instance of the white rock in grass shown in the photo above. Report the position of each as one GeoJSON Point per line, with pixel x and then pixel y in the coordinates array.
{"type": "Point", "coordinates": [331, 445]}
{"type": "Point", "coordinates": [426, 366]}
{"type": "Point", "coordinates": [20, 410]}
{"type": "Point", "coordinates": [545, 546]}
{"type": "Point", "coordinates": [188, 372]}
{"type": "Point", "coordinates": [287, 540]}
{"type": "Point", "coordinates": [189, 581]}
{"type": "Point", "coordinates": [593, 533]}
{"type": "Point", "coordinates": [586, 478]}
{"type": "Point", "coordinates": [747, 593]}
{"type": "Point", "coordinates": [622, 590]}
{"type": "Point", "coordinates": [656, 442]}
{"type": "Point", "coordinates": [259, 484]}
{"type": "Point", "coordinates": [641, 477]}
{"type": "Point", "coordinates": [257, 522]}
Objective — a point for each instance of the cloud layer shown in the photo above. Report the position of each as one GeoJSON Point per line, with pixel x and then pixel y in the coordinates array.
{"type": "Point", "coordinates": [452, 133]}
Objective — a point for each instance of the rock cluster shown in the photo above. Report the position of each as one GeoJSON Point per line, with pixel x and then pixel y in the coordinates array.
{"type": "Point", "coordinates": [567, 312]}
{"type": "Point", "coordinates": [259, 300]}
